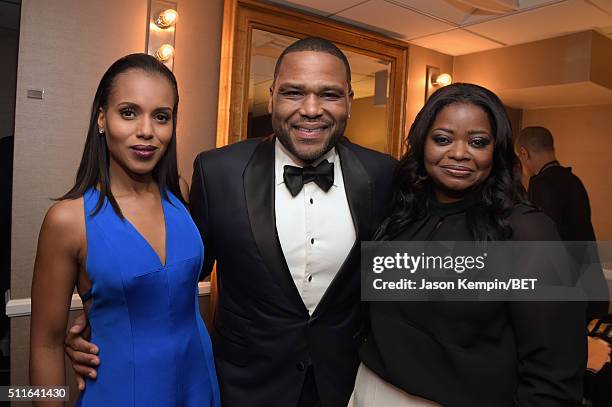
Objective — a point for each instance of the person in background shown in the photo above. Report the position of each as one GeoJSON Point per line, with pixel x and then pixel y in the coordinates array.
{"type": "Point", "coordinates": [563, 197]}
{"type": "Point", "coordinates": [124, 237]}
{"type": "Point", "coordinates": [554, 188]}
{"type": "Point", "coordinates": [460, 181]}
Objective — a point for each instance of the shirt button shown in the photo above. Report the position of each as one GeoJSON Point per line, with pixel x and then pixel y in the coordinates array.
{"type": "Point", "coordinates": [311, 201]}
{"type": "Point", "coordinates": [310, 278]}
{"type": "Point", "coordinates": [311, 241]}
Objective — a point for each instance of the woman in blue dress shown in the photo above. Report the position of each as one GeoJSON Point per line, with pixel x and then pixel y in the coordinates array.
{"type": "Point", "coordinates": [123, 236]}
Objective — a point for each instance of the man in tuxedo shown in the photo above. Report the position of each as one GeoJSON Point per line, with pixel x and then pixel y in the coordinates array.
{"type": "Point", "coordinates": [283, 218]}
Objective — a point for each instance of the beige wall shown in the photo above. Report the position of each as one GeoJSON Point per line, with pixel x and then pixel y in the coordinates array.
{"type": "Point", "coordinates": [368, 125]}
{"type": "Point", "coordinates": [418, 59]}
{"type": "Point", "coordinates": [583, 140]}
{"type": "Point", "coordinates": [548, 62]}
{"type": "Point", "coordinates": [601, 60]}
{"type": "Point", "coordinates": [198, 49]}
{"type": "Point", "coordinates": [65, 46]}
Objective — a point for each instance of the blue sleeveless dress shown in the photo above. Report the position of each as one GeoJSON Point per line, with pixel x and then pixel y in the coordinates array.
{"type": "Point", "coordinates": [144, 316]}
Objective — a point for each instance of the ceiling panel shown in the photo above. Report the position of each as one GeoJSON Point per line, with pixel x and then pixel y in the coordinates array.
{"type": "Point", "coordinates": [456, 42]}
{"type": "Point", "coordinates": [392, 19]}
{"type": "Point", "coordinates": [546, 22]}
{"type": "Point", "coordinates": [480, 15]}
{"type": "Point", "coordinates": [364, 65]}
{"type": "Point", "coordinates": [323, 7]}
{"type": "Point", "coordinates": [450, 10]}
{"type": "Point", "coordinates": [527, 4]}
{"type": "Point", "coordinates": [604, 4]}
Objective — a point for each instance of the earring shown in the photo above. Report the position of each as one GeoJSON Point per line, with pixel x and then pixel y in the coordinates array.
{"type": "Point", "coordinates": [101, 132]}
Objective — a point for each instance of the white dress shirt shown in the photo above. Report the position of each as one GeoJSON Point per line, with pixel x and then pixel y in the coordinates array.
{"type": "Point", "coordinates": [315, 228]}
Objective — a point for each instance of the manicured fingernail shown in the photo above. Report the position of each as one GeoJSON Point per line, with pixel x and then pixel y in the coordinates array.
{"type": "Point", "coordinates": [92, 374]}
{"type": "Point", "coordinates": [93, 350]}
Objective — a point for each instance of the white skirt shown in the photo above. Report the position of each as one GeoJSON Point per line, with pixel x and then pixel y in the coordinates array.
{"type": "Point", "coordinates": [372, 391]}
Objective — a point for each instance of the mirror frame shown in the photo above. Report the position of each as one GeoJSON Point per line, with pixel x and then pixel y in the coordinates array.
{"type": "Point", "coordinates": [240, 17]}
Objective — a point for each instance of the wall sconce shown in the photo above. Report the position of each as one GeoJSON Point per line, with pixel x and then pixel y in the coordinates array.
{"type": "Point", "coordinates": [161, 30]}
{"type": "Point", "coordinates": [442, 79]}
{"type": "Point", "coordinates": [165, 52]}
{"type": "Point", "coordinates": [434, 80]}
{"type": "Point", "coordinates": [166, 18]}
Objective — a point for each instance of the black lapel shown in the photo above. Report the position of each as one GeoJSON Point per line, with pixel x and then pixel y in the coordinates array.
{"type": "Point", "coordinates": [359, 196]}
{"type": "Point", "coordinates": [358, 191]}
{"type": "Point", "coordinates": [259, 188]}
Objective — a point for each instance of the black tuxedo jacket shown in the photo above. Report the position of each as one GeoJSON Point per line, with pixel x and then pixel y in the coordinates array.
{"type": "Point", "coordinates": [264, 338]}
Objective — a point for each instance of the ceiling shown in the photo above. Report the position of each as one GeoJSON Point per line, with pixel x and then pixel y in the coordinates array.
{"type": "Point", "coordinates": [457, 27]}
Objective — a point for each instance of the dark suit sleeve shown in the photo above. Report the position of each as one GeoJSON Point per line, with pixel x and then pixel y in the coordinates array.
{"type": "Point", "coordinates": [550, 336]}
{"type": "Point", "coordinates": [198, 204]}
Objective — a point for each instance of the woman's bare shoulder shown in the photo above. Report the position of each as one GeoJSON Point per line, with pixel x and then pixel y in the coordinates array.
{"type": "Point", "coordinates": [66, 218]}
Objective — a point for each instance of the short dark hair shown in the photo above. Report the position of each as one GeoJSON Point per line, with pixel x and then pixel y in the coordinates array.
{"type": "Point", "coordinates": [93, 170]}
{"type": "Point", "coordinates": [536, 139]}
{"type": "Point", "coordinates": [315, 44]}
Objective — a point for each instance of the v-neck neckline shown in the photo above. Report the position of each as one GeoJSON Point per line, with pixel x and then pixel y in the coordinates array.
{"type": "Point", "coordinates": [146, 242]}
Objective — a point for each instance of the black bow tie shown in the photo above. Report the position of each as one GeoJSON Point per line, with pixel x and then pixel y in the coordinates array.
{"type": "Point", "coordinates": [296, 177]}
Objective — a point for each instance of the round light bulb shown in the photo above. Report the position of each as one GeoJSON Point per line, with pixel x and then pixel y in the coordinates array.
{"type": "Point", "coordinates": [166, 18]}
{"type": "Point", "coordinates": [165, 52]}
{"type": "Point", "coordinates": [444, 79]}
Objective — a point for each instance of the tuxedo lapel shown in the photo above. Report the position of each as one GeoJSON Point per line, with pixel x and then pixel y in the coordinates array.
{"type": "Point", "coordinates": [359, 197]}
{"type": "Point", "coordinates": [259, 193]}
{"type": "Point", "coordinates": [358, 191]}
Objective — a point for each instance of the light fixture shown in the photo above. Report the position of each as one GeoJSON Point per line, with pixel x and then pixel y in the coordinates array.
{"type": "Point", "coordinates": [161, 29]}
{"type": "Point", "coordinates": [434, 79]}
{"type": "Point", "coordinates": [442, 79]}
{"type": "Point", "coordinates": [165, 52]}
{"type": "Point", "coordinates": [166, 18]}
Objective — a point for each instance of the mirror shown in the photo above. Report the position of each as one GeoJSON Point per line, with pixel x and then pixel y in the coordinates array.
{"type": "Point", "coordinates": [254, 35]}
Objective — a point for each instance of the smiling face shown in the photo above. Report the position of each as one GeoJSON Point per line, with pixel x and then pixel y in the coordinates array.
{"type": "Point", "coordinates": [310, 102]}
{"type": "Point", "coordinates": [459, 150]}
{"type": "Point", "coordinates": [138, 121]}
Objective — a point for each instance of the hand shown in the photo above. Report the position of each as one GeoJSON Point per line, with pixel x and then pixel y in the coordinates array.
{"type": "Point", "coordinates": [599, 354]}
{"type": "Point", "coordinates": [80, 351]}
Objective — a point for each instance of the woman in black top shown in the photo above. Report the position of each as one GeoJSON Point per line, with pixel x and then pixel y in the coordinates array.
{"type": "Point", "coordinates": [460, 180]}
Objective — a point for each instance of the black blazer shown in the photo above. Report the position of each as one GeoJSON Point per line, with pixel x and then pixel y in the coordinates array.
{"type": "Point", "coordinates": [263, 337]}
{"type": "Point", "coordinates": [482, 353]}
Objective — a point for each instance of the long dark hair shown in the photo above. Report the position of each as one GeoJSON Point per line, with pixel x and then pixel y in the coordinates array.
{"type": "Point", "coordinates": [94, 167]}
{"type": "Point", "coordinates": [488, 218]}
